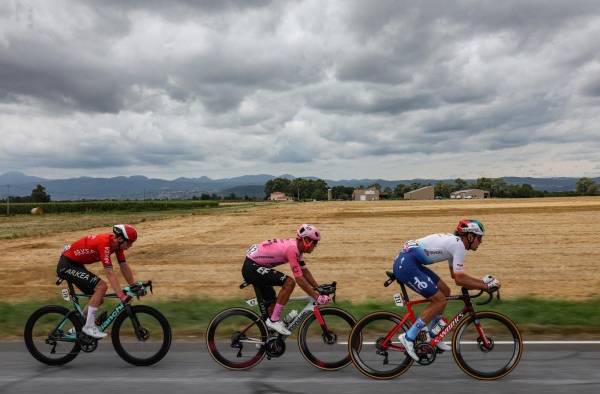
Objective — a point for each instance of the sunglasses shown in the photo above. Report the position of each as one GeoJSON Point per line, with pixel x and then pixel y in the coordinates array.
{"type": "Point", "coordinates": [311, 241]}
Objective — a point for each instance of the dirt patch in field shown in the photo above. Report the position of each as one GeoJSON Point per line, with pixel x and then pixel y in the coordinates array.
{"type": "Point", "coordinates": [545, 248]}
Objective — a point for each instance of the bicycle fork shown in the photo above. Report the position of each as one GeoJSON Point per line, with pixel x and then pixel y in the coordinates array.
{"type": "Point", "coordinates": [140, 332]}
{"type": "Point", "coordinates": [328, 336]}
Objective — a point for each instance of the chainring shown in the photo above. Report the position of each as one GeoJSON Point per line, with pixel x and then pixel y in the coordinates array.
{"type": "Point", "coordinates": [426, 353]}
{"type": "Point", "coordinates": [275, 346]}
{"type": "Point", "coordinates": [87, 343]}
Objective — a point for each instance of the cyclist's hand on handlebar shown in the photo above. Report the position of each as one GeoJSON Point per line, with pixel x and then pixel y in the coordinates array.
{"type": "Point", "coordinates": [492, 283]}
{"type": "Point", "coordinates": [138, 289]}
{"type": "Point", "coordinates": [323, 299]}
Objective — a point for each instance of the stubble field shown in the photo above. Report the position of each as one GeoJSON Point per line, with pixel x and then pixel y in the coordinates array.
{"type": "Point", "coordinates": [547, 248]}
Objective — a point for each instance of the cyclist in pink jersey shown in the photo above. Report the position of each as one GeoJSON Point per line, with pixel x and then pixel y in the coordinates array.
{"type": "Point", "coordinates": [258, 271]}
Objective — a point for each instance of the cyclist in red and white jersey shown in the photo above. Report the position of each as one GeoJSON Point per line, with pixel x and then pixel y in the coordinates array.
{"type": "Point", "coordinates": [88, 250]}
{"type": "Point", "coordinates": [410, 268]}
{"type": "Point", "coordinates": [258, 270]}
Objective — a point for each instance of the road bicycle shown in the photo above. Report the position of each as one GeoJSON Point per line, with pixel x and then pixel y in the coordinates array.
{"type": "Point", "coordinates": [238, 338]}
{"type": "Point", "coordinates": [486, 345]}
{"type": "Point", "coordinates": [140, 334]}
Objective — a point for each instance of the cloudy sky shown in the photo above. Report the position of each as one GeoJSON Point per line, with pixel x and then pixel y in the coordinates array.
{"type": "Point", "coordinates": [336, 89]}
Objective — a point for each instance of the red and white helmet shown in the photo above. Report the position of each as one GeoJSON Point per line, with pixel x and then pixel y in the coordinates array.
{"type": "Point", "coordinates": [125, 231]}
{"type": "Point", "coordinates": [308, 231]}
{"type": "Point", "coordinates": [470, 226]}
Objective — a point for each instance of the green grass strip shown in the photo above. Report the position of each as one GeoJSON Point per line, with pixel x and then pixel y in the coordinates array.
{"type": "Point", "coordinates": [190, 317]}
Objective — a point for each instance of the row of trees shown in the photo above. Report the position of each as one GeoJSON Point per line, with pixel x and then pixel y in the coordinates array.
{"type": "Point", "coordinates": [316, 189]}
{"type": "Point", "coordinates": [229, 197]}
{"type": "Point", "coordinates": [37, 195]}
{"type": "Point", "coordinates": [301, 188]}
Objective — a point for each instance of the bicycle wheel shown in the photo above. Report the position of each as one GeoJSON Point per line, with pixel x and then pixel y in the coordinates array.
{"type": "Point", "coordinates": [143, 338]}
{"type": "Point", "coordinates": [494, 360]}
{"type": "Point", "coordinates": [326, 350]}
{"type": "Point", "coordinates": [236, 338]}
{"type": "Point", "coordinates": [51, 335]}
{"type": "Point", "coordinates": [370, 354]}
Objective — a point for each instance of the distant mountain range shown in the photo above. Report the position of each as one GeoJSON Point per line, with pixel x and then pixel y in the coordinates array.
{"type": "Point", "coordinates": [139, 187]}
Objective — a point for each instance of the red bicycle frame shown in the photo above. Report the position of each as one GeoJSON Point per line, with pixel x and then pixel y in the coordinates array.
{"type": "Point", "coordinates": [410, 317]}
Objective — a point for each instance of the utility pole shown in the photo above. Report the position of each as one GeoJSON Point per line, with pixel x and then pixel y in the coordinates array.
{"type": "Point", "coordinates": [7, 200]}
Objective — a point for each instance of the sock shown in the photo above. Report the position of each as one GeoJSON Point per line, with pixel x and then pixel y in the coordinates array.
{"type": "Point", "coordinates": [276, 315]}
{"type": "Point", "coordinates": [432, 323]}
{"type": "Point", "coordinates": [412, 333]}
{"type": "Point", "coordinates": [91, 316]}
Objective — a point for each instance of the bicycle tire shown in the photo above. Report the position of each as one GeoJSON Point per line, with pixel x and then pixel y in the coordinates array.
{"type": "Point", "coordinates": [164, 345]}
{"type": "Point", "coordinates": [356, 346]}
{"type": "Point", "coordinates": [29, 340]}
{"type": "Point", "coordinates": [485, 319]}
{"type": "Point", "coordinates": [304, 347]}
{"type": "Point", "coordinates": [212, 342]}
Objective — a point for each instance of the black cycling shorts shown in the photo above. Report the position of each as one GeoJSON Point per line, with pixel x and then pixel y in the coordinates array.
{"type": "Point", "coordinates": [70, 271]}
{"type": "Point", "coordinates": [263, 279]}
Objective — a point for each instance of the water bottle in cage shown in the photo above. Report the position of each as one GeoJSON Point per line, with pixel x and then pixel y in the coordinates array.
{"type": "Point", "coordinates": [439, 326]}
{"type": "Point", "coordinates": [290, 316]}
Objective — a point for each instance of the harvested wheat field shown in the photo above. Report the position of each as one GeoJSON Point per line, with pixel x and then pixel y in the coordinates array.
{"type": "Point", "coordinates": [546, 248]}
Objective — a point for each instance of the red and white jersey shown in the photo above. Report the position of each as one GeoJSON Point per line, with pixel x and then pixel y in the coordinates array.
{"type": "Point", "coordinates": [92, 248]}
{"type": "Point", "coordinates": [274, 252]}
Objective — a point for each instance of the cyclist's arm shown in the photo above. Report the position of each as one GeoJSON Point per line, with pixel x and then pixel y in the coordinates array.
{"type": "Point", "coordinates": [308, 275]}
{"type": "Point", "coordinates": [113, 280]}
{"type": "Point", "coordinates": [127, 273]}
{"type": "Point", "coordinates": [306, 286]}
{"type": "Point", "coordinates": [470, 282]}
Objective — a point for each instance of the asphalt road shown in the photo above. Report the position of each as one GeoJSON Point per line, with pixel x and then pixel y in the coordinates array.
{"type": "Point", "coordinates": [189, 369]}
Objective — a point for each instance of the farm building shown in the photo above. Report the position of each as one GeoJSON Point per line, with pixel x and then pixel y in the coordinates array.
{"type": "Point", "coordinates": [279, 196]}
{"type": "Point", "coordinates": [470, 193]}
{"type": "Point", "coordinates": [371, 194]}
{"type": "Point", "coordinates": [423, 193]}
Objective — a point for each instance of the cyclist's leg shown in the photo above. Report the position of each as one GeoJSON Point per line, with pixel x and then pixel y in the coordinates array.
{"type": "Point", "coordinates": [87, 282]}
{"type": "Point", "coordinates": [438, 299]}
{"type": "Point", "coordinates": [423, 281]}
{"type": "Point", "coordinates": [283, 297]}
{"type": "Point", "coordinates": [263, 279]}
{"type": "Point", "coordinates": [443, 287]}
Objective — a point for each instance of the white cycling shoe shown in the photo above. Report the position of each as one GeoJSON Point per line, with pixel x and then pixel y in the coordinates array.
{"type": "Point", "coordinates": [94, 332]}
{"type": "Point", "coordinates": [278, 326]}
{"type": "Point", "coordinates": [409, 346]}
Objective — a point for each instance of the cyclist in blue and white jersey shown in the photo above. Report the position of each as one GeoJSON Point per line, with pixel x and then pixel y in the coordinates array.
{"type": "Point", "coordinates": [410, 268]}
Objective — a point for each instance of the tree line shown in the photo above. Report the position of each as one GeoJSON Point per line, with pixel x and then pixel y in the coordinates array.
{"type": "Point", "coordinates": [37, 195]}
{"type": "Point", "coordinates": [316, 189]}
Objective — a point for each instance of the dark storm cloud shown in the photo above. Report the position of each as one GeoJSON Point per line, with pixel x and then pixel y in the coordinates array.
{"type": "Point", "coordinates": [294, 83]}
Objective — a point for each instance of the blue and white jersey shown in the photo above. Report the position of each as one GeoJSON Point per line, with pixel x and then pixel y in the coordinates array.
{"type": "Point", "coordinates": [438, 247]}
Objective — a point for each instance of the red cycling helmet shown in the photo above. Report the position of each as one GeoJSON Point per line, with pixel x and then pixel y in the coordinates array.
{"type": "Point", "coordinates": [125, 231]}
